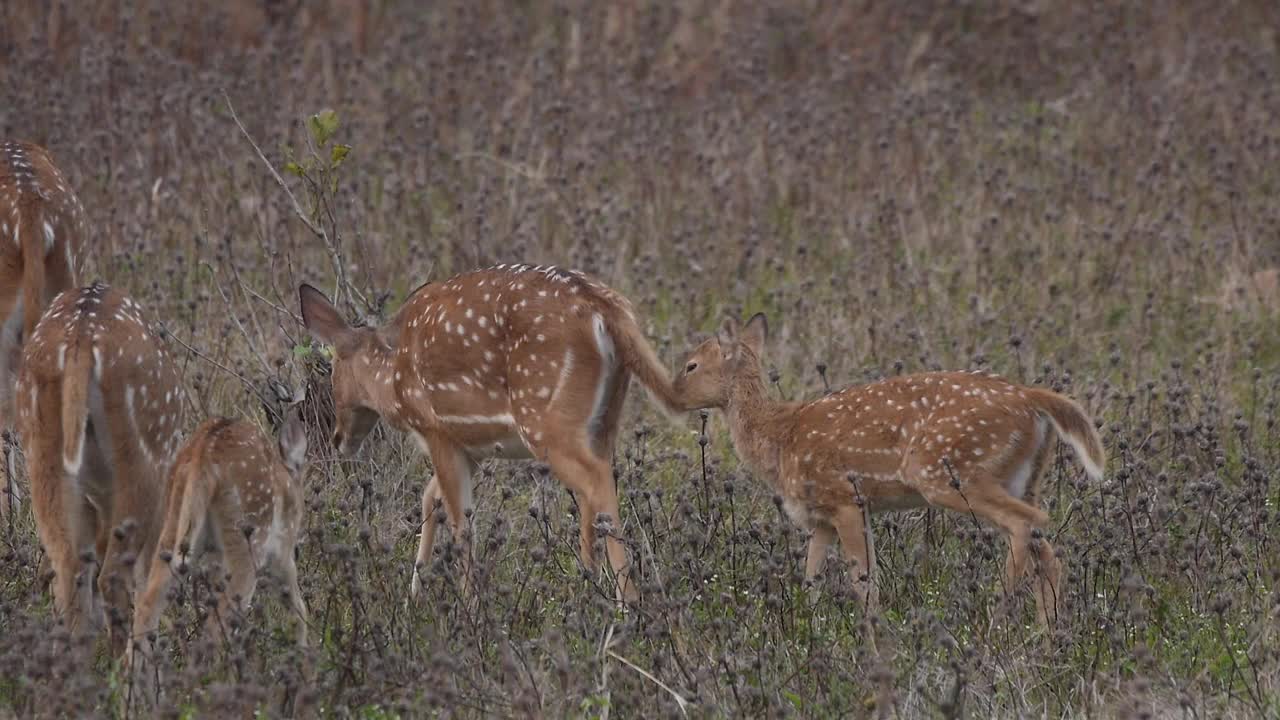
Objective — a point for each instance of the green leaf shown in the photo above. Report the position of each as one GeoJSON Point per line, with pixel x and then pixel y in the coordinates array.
{"type": "Point", "coordinates": [301, 351]}
{"type": "Point", "coordinates": [338, 154]}
{"type": "Point", "coordinates": [322, 126]}
{"type": "Point", "coordinates": [295, 168]}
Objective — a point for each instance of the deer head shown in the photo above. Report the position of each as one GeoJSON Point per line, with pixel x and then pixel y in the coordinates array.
{"type": "Point", "coordinates": [362, 377]}
{"type": "Point", "coordinates": [708, 374]}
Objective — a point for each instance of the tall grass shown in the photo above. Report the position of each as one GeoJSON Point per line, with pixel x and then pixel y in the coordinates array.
{"type": "Point", "coordinates": [1056, 192]}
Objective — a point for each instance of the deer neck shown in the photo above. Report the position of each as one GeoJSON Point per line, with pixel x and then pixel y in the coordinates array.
{"type": "Point", "coordinates": [755, 422]}
{"type": "Point", "coordinates": [380, 380]}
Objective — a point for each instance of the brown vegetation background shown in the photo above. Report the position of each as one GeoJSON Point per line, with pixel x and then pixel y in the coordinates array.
{"type": "Point", "coordinates": [1077, 194]}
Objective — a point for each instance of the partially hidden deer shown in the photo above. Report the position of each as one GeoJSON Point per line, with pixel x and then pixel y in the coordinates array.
{"type": "Point", "coordinates": [968, 442]}
{"type": "Point", "coordinates": [100, 409]}
{"type": "Point", "coordinates": [513, 361]}
{"type": "Point", "coordinates": [42, 228]}
{"type": "Point", "coordinates": [237, 491]}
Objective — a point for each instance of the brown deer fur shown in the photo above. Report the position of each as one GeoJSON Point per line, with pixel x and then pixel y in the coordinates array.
{"type": "Point", "coordinates": [41, 231]}
{"type": "Point", "coordinates": [233, 486]}
{"type": "Point", "coordinates": [512, 361]}
{"type": "Point", "coordinates": [99, 408]}
{"type": "Point", "coordinates": [968, 442]}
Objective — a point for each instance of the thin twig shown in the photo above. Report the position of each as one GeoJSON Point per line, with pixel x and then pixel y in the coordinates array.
{"type": "Point", "coordinates": [680, 701]}
{"type": "Point", "coordinates": [335, 256]}
{"type": "Point", "coordinates": [247, 383]}
{"type": "Point", "coordinates": [297, 207]}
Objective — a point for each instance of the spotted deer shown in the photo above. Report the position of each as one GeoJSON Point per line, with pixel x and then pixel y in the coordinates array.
{"type": "Point", "coordinates": [41, 231]}
{"type": "Point", "coordinates": [99, 409]}
{"type": "Point", "coordinates": [513, 361]}
{"type": "Point", "coordinates": [968, 442]}
{"type": "Point", "coordinates": [235, 490]}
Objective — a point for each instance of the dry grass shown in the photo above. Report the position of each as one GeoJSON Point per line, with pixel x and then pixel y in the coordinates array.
{"type": "Point", "coordinates": [1041, 189]}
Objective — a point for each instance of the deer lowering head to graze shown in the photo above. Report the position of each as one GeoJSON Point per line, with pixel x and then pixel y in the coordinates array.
{"type": "Point", "coordinates": [235, 490]}
{"type": "Point", "coordinates": [41, 231]}
{"type": "Point", "coordinates": [963, 441]}
{"type": "Point", "coordinates": [99, 408]}
{"type": "Point", "coordinates": [513, 361]}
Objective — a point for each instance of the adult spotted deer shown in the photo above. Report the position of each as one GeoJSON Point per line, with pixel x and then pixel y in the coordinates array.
{"type": "Point", "coordinates": [236, 490]}
{"type": "Point", "coordinates": [99, 409]}
{"type": "Point", "coordinates": [513, 361]}
{"type": "Point", "coordinates": [968, 442]}
{"type": "Point", "coordinates": [41, 231]}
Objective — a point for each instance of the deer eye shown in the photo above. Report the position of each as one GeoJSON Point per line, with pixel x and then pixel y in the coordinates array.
{"type": "Point", "coordinates": [690, 367]}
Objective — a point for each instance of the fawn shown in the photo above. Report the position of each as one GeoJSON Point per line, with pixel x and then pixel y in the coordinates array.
{"type": "Point", "coordinates": [513, 361]}
{"type": "Point", "coordinates": [232, 490]}
{"type": "Point", "coordinates": [42, 228]}
{"type": "Point", "coordinates": [99, 407]}
{"type": "Point", "coordinates": [962, 441]}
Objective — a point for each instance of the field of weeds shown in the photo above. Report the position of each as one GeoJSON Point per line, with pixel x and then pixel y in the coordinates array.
{"type": "Point", "coordinates": [1084, 196]}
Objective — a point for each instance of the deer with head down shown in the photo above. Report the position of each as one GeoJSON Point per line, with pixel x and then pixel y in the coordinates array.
{"type": "Point", "coordinates": [236, 491]}
{"type": "Point", "coordinates": [100, 409]}
{"type": "Point", "coordinates": [968, 442]}
{"type": "Point", "coordinates": [513, 361]}
{"type": "Point", "coordinates": [42, 228]}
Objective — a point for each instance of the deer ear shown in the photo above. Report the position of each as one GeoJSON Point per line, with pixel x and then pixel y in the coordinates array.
{"type": "Point", "coordinates": [755, 333]}
{"type": "Point", "coordinates": [727, 335]}
{"type": "Point", "coordinates": [323, 319]}
{"type": "Point", "coordinates": [293, 442]}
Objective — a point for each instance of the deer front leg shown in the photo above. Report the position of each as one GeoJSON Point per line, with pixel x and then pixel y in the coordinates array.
{"type": "Point", "coordinates": [453, 483]}
{"type": "Point", "coordinates": [859, 550]}
{"type": "Point", "coordinates": [817, 558]}
{"type": "Point", "coordinates": [426, 541]}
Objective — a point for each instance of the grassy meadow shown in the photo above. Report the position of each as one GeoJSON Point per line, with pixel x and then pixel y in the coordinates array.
{"type": "Point", "coordinates": [1076, 195]}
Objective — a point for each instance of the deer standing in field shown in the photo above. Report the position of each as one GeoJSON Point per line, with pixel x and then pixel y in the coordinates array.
{"type": "Point", "coordinates": [514, 361]}
{"type": "Point", "coordinates": [232, 488]}
{"type": "Point", "coordinates": [99, 408]}
{"type": "Point", "coordinates": [41, 231]}
{"type": "Point", "coordinates": [967, 442]}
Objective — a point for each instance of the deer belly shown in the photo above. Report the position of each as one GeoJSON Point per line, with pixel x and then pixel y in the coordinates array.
{"type": "Point", "coordinates": [506, 447]}
{"type": "Point", "coordinates": [907, 500]}
{"type": "Point", "coordinates": [487, 436]}
{"type": "Point", "coordinates": [888, 494]}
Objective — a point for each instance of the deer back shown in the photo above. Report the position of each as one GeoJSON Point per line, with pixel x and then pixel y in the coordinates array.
{"type": "Point", "coordinates": [933, 428]}
{"type": "Point", "coordinates": [40, 218]}
{"type": "Point", "coordinates": [497, 347]}
{"type": "Point", "coordinates": [41, 231]}
{"type": "Point", "coordinates": [96, 365]}
{"type": "Point", "coordinates": [230, 468]}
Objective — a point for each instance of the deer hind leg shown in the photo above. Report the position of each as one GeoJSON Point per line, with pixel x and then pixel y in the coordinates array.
{"type": "Point", "coordinates": [70, 539]}
{"type": "Point", "coordinates": [427, 538]}
{"type": "Point", "coordinates": [239, 568]}
{"type": "Point", "coordinates": [150, 606]}
{"type": "Point", "coordinates": [168, 557]}
{"type": "Point", "coordinates": [984, 496]}
{"type": "Point", "coordinates": [454, 470]}
{"type": "Point", "coordinates": [591, 480]}
{"type": "Point", "coordinates": [75, 560]}
{"type": "Point", "coordinates": [121, 540]}
{"type": "Point", "coordinates": [1047, 583]}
